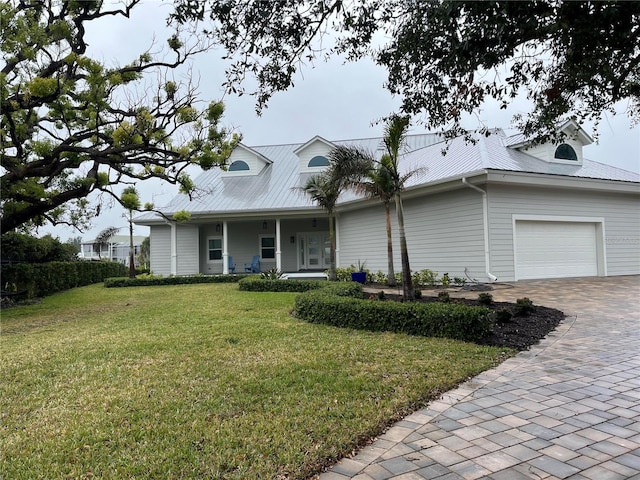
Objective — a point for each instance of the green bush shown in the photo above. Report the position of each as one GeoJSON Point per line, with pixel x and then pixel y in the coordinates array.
{"type": "Point", "coordinates": [433, 319]}
{"type": "Point", "coordinates": [485, 298]}
{"type": "Point", "coordinates": [42, 279]}
{"type": "Point", "coordinates": [524, 306]}
{"type": "Point", "coordinates": [444, 297]}
{"type": "Point", "coordinates": [257, 284]}
{"type": "Point", "coordinates": [503, 315]}
{"type": "Point", "coordinates": [19, 247]}
{"type": "Point", "coordinates": [151, 280]}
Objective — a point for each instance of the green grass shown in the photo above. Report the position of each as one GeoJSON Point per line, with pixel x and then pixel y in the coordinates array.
{"type": "Point", "coordinates": [202, 381]}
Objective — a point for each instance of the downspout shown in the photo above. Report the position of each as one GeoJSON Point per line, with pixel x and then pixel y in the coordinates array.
{"type": "Point", "coordinates": [485, 221]}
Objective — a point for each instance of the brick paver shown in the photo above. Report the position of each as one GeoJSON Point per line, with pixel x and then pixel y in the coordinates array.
{"type": "Point", "coordinates": [567, 408]}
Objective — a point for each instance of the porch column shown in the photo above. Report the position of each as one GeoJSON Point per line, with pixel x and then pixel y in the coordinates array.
{"type": "Point", "coordinates": [278, 247]}
{"type": "Point", "coordinates": [174, 248]}
{"type": "Point", "coordinates": [225, 249]}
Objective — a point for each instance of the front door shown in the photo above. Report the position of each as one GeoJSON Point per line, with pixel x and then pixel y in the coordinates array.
{"type": "Point", "coordinates": [313, 251]}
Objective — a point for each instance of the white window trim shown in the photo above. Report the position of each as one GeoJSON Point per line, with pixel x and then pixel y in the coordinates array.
{"type": "Point", "coordinates": [267, 235]}
{"type": "Point", "coordinates": [215, 237]}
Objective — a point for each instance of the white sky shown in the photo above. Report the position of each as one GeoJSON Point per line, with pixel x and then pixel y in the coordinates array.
{"type": "Point", "coordinates": [333, 100]}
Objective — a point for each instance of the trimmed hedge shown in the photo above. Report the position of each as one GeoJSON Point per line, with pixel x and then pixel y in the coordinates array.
{"type": "Point", "coordinates": [174, 280]}
{"type": "Point", "coordinates": [42, 279]}
{"type": "Point", "coordinates": [459, 322]}
{"type": "Point", "coordinates": [254, 283]}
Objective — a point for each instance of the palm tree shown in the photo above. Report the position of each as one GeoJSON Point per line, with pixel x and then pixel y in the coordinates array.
{"type": "Point", "coordinates": [394, 136]}
{"type": "Point", "coordinates": [346, 166]}
{"type": "Point", "coordinates": [104, 238]}
{"type": "Point", "coordinates": [131, 202]}
{"type": "Point", "coordinates": [378, 183]}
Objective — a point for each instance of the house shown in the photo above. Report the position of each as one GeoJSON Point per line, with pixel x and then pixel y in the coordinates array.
{"type": "Point", "coordinates": [499, 208]}
{"type": "Point", "coordinates": [116, 249]}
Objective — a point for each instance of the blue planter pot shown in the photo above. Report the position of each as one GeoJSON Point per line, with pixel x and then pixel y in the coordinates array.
{"type": "Point", "coordinates": [360, 277]}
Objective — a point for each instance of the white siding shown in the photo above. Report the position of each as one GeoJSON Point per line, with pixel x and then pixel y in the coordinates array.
{"type": "Point", "coordinates": [316, 148]}
{"type": "Point", "coordinates": [619, 211]}
{"type": "Point", "coordinates": [547, 151]}
{"type": "Point", "coordinates": [255, 163]}
{"type": "Point", "coordinates": [160, 253]}
{"type": "Point", "coordinates": [444, 234]}
{"type": "Point", "coordinates": [187, 249]}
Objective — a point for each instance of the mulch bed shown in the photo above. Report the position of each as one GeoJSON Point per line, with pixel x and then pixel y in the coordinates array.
{"type": "Point", "coordinates": [520, 332]}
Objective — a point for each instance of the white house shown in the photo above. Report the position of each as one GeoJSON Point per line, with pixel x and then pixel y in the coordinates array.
{"type": "Point", "coordinates": [116, 249]}
{"type": "Point", "coordinates": [498, 208]}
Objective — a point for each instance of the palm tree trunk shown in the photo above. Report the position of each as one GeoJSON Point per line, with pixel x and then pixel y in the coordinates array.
{"type": "Point", "coordinates": [391, 275]}
{"type": "Point", "coordinates": [407, 284]}
{"type": "Point", "coordinates": [132, 266]}
{"type": "Point", "coordinates": [332, 249]}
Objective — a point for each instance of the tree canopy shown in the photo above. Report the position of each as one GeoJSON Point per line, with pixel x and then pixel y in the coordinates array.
{"type": "Point", "coordinates": [444, 58]}
{"type": "Point", "coordinates": [72, 125]}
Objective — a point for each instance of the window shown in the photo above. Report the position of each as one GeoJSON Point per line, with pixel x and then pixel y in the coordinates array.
{"type": "Point", "coordinates": [214, 247]}
{"type": "Point", "coordinates": [565, 152]}
{"type": "Point", "coordinates": [238, 165]}
{"type": "Point", "coordinates": [267, 247]}
{"type": "Point", "coordinates": [318, 161]}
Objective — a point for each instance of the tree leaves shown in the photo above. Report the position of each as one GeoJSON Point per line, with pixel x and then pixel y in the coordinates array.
{"type": "Point", "coordinates": [72, 125]}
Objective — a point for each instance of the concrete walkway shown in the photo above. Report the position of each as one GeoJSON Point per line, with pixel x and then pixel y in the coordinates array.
{"type": "Point", "coordinates": [567, 408]}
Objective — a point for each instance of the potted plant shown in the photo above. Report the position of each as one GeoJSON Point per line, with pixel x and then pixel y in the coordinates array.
{"type": "Point", "coordinates": [360, 275]}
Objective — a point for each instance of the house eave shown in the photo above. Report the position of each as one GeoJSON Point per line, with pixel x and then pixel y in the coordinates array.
{"type": "Point", "coordinates": [561, 181]}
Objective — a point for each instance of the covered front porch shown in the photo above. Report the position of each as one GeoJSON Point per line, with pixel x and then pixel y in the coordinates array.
{"type": "Point", "coordinates": [295, 245]}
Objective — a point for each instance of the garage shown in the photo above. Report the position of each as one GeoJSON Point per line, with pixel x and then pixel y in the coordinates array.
{"type": "Point", "coordinates": [555, 249]}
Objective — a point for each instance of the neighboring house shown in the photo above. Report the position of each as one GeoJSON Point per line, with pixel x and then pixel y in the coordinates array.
{"type": "Point", "coordinates": [117, 249]}
{"type": "Point", "coordinates": [497, 208]}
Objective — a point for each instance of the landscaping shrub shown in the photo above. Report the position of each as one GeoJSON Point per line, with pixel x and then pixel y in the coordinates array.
{"type": "Point", "coordinates": [485, 299]}
{"type": "Point", "coordinates": [19, 247]}
{"type": "Point", "coordinates": [257, 284]}
{"type": "Point", "coordinates": [444, 297]}
{"type": "Point", "coordinates": [503, 315]}
{"type": "Point", "coordinates": [524, 306]}
{"type": "Point", "coordinates": [151, 280]}
{"type": "Point", "coordinates": [433, 319]}
{"type": "Point", "coordinates": [42, 279]}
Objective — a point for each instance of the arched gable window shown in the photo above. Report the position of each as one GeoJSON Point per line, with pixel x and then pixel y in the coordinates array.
{"type": "Point", "coordinates": [238, 165]}
{"type": "Point", "coordinates": [318, 161]}
{"type": "Point", "coordinates": [565, 152]}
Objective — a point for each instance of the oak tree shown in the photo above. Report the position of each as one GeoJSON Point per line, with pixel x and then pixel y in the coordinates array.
{"type": "Point", "coordinates": [444, 58]}
{"type": "Point", "coordinates": [72, 125]}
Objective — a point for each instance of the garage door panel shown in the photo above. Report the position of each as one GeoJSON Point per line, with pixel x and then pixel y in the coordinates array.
{"type": "Point", "coordinates": [555, 249]}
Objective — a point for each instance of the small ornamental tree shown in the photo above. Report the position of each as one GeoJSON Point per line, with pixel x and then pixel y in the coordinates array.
{"type": "Point", "coordinates": [131, 202]}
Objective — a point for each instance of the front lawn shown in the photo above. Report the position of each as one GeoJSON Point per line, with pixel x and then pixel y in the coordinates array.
{"type": "Point", "coordinates": [202, 381]}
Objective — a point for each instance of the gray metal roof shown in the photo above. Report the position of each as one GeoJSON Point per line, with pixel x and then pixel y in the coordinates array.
{"type": "Point", "coordinates": [276, 187]}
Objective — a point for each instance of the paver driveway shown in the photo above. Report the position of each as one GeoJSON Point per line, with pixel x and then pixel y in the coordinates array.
{"type": "Point", "coordinates": [567, 408]}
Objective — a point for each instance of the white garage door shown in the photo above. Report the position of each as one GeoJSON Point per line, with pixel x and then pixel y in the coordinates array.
{"type": "Point", "coordinates": [555, 249]}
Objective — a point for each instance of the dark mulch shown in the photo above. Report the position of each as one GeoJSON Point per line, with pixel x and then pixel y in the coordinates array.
{"type": "Point", "coordinates": [519, 332]}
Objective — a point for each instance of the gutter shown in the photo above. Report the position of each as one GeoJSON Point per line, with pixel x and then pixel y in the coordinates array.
{"type": "Point", "coordinates": [485, 221]}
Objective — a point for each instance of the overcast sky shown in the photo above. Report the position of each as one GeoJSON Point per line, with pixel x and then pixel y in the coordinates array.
{"type": "Point", "coordinates": [334, 100]}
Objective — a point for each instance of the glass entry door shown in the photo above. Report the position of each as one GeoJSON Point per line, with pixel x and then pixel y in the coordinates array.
{"type": "Point", "coordinates": [313, 251]}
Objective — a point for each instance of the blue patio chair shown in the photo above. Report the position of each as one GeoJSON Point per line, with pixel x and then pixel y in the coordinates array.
{"type": "Point", "coordinates": [232, 266]}
{"type": "Point", "coordinates": [254, 266]}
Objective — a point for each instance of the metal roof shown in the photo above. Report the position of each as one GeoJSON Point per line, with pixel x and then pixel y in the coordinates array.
{"type": "Point", "coordinates": [277, 186]}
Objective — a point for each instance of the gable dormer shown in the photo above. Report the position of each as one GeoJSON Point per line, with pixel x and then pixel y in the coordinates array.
{"type": "Point", "coordinates": [313, 155]}
{"type": "Point", "coordinates": [244, 161]}
{"type": "Point", "coordinates": [568, 151]}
